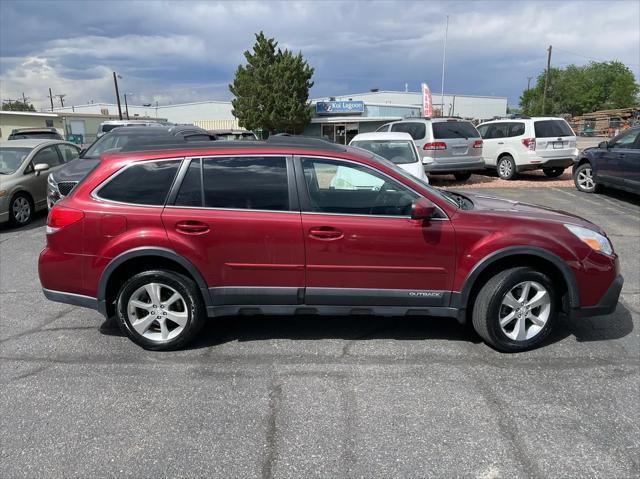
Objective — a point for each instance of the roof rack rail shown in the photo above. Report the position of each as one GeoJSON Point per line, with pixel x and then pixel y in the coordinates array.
{"type": "Point", "coordinates": [286, 139]}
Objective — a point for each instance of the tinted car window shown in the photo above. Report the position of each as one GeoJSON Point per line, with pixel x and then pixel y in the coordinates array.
{"type": "Point", "coordinates": [454, 129]}
{"type": "Point", "coordinates": [127, 187]}
{"type": "Point", "coordinates": [68, 152]}
{"type": "Point", "coordinates": [497, 130]}
{"type": "Point", "coordinates": [551, 128]}
{"type": "Point", "coordinates": [48, 155]}
{"type": "Point", "coordinates": [397, 151]}
{"type": "Point", "coordinates": [190, 193]}
{"type": "Point", "coordinates": [339, 187]}
{"type": "Point", "coordinates": [39, 135]}
{"type": "Point", "coordinates": [625, 140]}
{"type": "Point", "coordinates": [254, 183]}
{"type": "Point", "coordinates": [516, 129]}
{"type": "Point", "coordinates": [11, 159]}
{"type": "Point", "coordinates": [483, 129]}
{"type": "Point", "coordinates": [415, 129]}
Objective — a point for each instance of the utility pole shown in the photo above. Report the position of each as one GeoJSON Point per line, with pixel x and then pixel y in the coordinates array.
{"type": "Point", "coordinates": [546, 80]}
{"type": "Point", "coordinates": [529, 83]}
{"type": "Point", "coordinates": [61, 99]}
{"type": "Point", "coordinates": [24, 99]}
{"type": "Point", "coordinates": [126, 106]}
{"type": "Point", "coordinates": [115, 82]}
{"type": "Point", "coordinates": [444, 58]}
{"type": "Point", "coordinates": [51, 99]}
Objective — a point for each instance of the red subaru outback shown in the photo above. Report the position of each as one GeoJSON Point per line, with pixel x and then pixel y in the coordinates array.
{"type": "Point", "coordinates": [164, 238]}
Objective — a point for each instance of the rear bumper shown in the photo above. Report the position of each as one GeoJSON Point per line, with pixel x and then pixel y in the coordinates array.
{"type": "Point", "coordinates": [607, 303]}
{"type": "Point", "coordinates": [438, 165]}
{"type": "Point", "coordinates": [553, 163]}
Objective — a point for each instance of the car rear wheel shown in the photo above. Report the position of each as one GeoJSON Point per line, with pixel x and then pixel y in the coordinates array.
{"type": "Point", "coordinates": [507, 168]}
{"type": "Point", "coordinates": [160, 310]}
{"type": "Point", "coordinates": [583, 179]}
{"type": "Point", "coordinates": [515, 310]}
{"type": "Point", "coordinates": [20, 209]}
{"type": "Point", "coordinates": [553, 172]}
{"type": "Point", "coordinates": [462, 176]}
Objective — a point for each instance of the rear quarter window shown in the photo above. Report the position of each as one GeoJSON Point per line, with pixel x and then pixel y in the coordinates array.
{"type": "Point", "coordinates": [417, 130]}
{"type": "Point", "coordinates": [145, 183]}
{"type": "Point", "coordinates": [552, 128]}
{"type": "Point", "coordinates": [516, 129]}
{"type": "Point", "coordinates": [454, 129]}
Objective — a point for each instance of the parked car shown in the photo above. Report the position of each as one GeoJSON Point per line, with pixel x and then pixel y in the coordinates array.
{"type": "Point", "coordinates": [23, 179]}
{"type": "Point", "coordinates": [106, 126]}
{"type": "Point", "coordinates": [35, 133]}
{"type": "Point", "coordinates": [614, 163]}
{"type": "Point", "coordinates": [515, 145]}
{"type": "Point", "coordinates": [238, 135]}
{"type": "Point", "coordinates": [228, 228]}
{"type": "Point", "coordinates": [62, 181]}
{"type": "Point", "coordinates": [398, 148]}
{"type": "Point", "coordinates": [447, 145]}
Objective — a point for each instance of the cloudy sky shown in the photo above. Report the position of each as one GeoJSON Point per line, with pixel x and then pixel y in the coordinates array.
{"type": "Point", "coordinates": [178, 51]}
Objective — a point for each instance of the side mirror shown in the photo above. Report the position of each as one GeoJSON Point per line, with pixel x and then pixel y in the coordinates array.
{"type": "Point", "coordinates": [422, 209]}
{"type": "Point", "coordinates": [603, 145]}
{"type": "Point", "coordinates": [40, 167]}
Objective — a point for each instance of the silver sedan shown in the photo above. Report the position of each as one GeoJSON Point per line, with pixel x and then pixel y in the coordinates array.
{"type": "Point", "coordinates": [24, 165]}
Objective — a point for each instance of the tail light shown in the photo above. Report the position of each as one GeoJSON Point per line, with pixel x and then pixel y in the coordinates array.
{"type": "Point", "coordinates": [529, 143]}
{"type": "Point", "coordinates": [477, 144]}
{"type": "Point", "coordinates": [61, 217]}
{"type": "Point", "coordinates": [436, 145]}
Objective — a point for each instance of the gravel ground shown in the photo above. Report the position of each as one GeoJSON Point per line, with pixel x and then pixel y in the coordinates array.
{"type": "Point", "coordinates": [306, 397]}
{"type": "Point", "coordinates": [528, 179]}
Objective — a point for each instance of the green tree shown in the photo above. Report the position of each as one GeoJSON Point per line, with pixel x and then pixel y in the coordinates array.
{"type": "Point", "coordinates": [581, 89]}
{"type": "Point", "coordinates": [17, 106]}
{"type": "Point", "coordinates": [272, 90]}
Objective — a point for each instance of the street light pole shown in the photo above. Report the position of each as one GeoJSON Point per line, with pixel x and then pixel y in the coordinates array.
{"type": "Point", "coordinates": [126, 106]}
{"type": "Point", "coordinates": [115, 82]}
{"type": "Point", "coordinates": [444, 58]}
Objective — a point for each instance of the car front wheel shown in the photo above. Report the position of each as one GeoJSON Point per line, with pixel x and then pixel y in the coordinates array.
{"type": "Point", "coordinates": [515, 310]}
{"type": "Point", "coordinates": [507, 168]}
{"type": "Point", "coordinates": [583, 179]}
{"type": "Point", "coordinates": [20, 209]}
{"type": "Point", "coordinates": [160, 310]}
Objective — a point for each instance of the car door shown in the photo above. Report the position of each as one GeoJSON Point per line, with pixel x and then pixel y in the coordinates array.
{"type": "Point", "coordinates": [237, 219]}
{"type": "Point", "coordinates": [489, 143]}
{"type": "Point", "coordinates": [616, 164]}
{"type": "Point", "coordinates": [362, 248]}
{"type": "Point", "coordinates": [36, 184]}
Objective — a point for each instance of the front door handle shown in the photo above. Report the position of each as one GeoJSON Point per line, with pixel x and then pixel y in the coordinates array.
{"type": "Point", "coordinates": [191, 227]}
{"type": "Point", "coordinates": [326, 233]}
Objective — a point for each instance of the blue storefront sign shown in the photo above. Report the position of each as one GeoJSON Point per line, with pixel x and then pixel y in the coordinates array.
{"type": "Point", "coordinates": [339, 107]}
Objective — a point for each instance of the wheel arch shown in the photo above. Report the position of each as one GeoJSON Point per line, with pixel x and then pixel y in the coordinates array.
{"type": "Point", "coordinates": [137, 260]}
{"type": "Point", "coordinates": [516, 256]}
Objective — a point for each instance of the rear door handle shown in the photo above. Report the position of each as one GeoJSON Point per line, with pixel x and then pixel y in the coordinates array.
{"type": "Point", "coordinates": [501, 143]}
{"type": "Point", "coordinates": [192, 227]}
{"type": "Point", "coordinates": [326, 233]}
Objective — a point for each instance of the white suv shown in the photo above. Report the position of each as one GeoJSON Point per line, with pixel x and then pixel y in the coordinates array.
{"type": "Point", "coordinates": [511, 146]}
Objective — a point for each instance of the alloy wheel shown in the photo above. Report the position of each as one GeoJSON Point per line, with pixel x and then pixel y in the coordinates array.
{"type": "Point", "coordinates": [505, 168]}
{"type": "Point", "coordinates": [524, 311]}
{"type": "Point", "coordinates": [21, 209]}
{"type": "Point", "coordinates": [157, 312]}
{"type": "Point", "coordinates": [585, 179]}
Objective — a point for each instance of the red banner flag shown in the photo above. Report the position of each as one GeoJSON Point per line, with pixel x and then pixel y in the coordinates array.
{"type": "Point", "coordinates": [427, 106]}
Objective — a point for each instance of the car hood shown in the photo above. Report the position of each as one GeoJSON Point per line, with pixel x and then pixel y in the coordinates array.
{"type": "Point", "coordinates": [75, 170]}
{"type": "Point", "coordinates": [485, 204]}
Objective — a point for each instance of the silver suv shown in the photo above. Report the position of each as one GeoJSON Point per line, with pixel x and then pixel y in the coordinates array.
{"type": "Point", "coordinates": [446, 145]}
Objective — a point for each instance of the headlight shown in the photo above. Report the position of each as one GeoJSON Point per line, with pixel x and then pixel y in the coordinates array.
{"type": "Point", "coordinates": [51, 181]}
{"type": "Point", "coordinates": [595, 240]}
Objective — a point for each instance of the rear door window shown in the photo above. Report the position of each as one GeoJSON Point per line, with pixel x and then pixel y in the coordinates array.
{"type": "Point", "coordinates": [48, 155]}
{"type": "Point", "coordinates": [552, 128]}
{"type": "Point", "coordinates": [417, 130]}
{"type": "Point", "coordinates": [253, 183]}
{"type": "Point", "coordinates": [454, 129]}
{"type": "Point", "coordinates": [145, 183]}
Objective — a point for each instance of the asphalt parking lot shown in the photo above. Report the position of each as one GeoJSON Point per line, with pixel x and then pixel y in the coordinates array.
{"type": "Point", "coordinates": [320, 397]}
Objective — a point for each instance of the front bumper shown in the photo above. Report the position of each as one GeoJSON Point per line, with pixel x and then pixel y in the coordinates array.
{"type": "Point", "coordinates": [607, 303]}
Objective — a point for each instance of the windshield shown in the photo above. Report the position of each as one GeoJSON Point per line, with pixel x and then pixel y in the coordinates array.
{"type": "Point", "coordinates": [107, 142]}
{"type": "Point", "coordinates": [11, 159]}
{"type": "Point", "coordinates": [399, 152]}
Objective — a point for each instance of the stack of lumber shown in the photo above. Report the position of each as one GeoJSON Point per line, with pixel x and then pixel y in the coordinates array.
{"type": "Point", "coordinates": [605, 122]}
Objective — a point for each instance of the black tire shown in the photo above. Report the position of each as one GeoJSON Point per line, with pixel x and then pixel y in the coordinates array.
{"type": "Point", "coordinates": [24, 200]}
{"type": "Point", "coordinates": [193, 305]}
{"type": "Point", "coordinates": [462, 176]}
{"type": "Point", "coordinates": [581, 177]}
{"type": "Point", "coordinates": [506, 168]}
{"type": "Point", "coordinates": [553, 172]}
{"type": "Point", "coordinates": [488, 304]}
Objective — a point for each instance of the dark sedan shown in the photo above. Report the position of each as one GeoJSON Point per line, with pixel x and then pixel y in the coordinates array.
{"type": "Point", "coordinates": [614, 163]}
